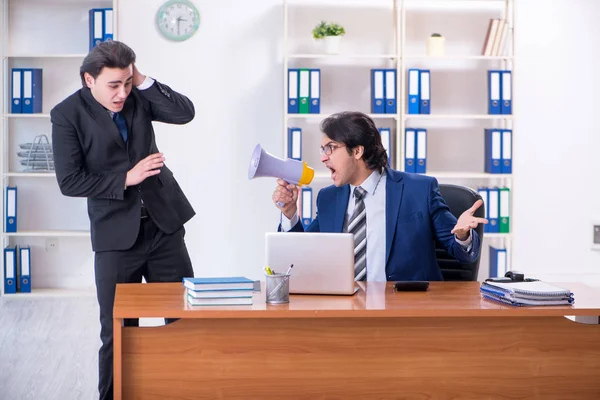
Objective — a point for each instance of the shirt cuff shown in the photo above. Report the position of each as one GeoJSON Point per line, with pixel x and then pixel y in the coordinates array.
{"type": "Point", "coordinates": [146, 84]}
{"type": "Point", "coordinates": [466, 244]}
{"type": "Point", "coordinates": [288, 224]}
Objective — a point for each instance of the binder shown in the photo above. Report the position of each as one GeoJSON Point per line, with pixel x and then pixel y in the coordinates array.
{"type": "Point", "coordinates": [493, 151]}
{"type": "Point", "coordinates": [32, 90]}
{"type": "Point", "coordinates": [292, 91]}
{"type": "Point", "coordinates": [506, 106]}
{"type": "Point", "coordinates": [315, 91]}
{"type": "Point", "coordinates": [24, 269]}
{"type": "Point", "coordinates": [96, 26]}
{"type": "Point", "coordinates": [425, 92]}
{"type": "Point", "coordinates": [306, 206]}
{"type": "Point", "coordinates": [421, 164]}
{"type": "Point", "coordinates": [17, 90]}
{"type": "Point", "coordinates": [506, 151]}
{"type": "Point", "coordinates": [386, 140]}
{"type": "Point", "coordinates": [497, 262]}
{"type": "Point", "coordinates": [107, 31]}
{"type": "Point", "coordinates": [10, 270]}
{"type": "Point", "coordinates": [390, 91]}
{"type": "Point", "coordinates": [494, 85]}
{"type": "Point", "coordinates": [494, 202]}
{"type": "Point", "coordinates": [504, 212]}
{"type": "Point", "coordinates": [295, 143]}
{"type": "Point", "coordinates": [410, 148]}
{"type": "Point", "coordinates": [11, 209]}
{"type": "Point", "coordinates": [413, 91]}
{"type": "Point", "coordinates": [483, 192]}
{"type": "Point", "coordinates": [304, 90]}
{"type": "Point", "coordinates": [377, 91]}
{"type": "Point", "coordinates": [526, 293]}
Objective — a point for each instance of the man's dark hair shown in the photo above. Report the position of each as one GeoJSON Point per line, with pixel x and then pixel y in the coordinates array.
{"type": "Point", "coordinates": [357, 129]}
{"type": "Point", "coordinates": [110, 54]}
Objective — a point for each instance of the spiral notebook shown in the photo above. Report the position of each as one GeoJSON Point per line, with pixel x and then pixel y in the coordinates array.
{"type": "Point", "coordinates": [534, 293]}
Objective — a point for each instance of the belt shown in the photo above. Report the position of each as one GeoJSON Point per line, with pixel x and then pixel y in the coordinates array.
{"type": "Point", "coordinates": [144, 213]}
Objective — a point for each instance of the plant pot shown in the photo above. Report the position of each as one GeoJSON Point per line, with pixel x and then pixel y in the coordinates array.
{"type": "Point", "coordinates": [435, 46]}
{"type": "Point", "coordinates": [331, 44]}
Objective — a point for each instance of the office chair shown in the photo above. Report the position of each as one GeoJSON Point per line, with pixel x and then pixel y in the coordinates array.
{"type": "Point", "coordinates": [459, 199]}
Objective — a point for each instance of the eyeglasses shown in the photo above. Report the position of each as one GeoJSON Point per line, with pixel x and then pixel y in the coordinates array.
{"type": "Point", "coordinates": [329, 148]}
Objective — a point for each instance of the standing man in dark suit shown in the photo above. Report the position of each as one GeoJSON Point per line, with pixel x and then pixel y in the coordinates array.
{"type": "Point", "coordinates": [105, 150]}
{"type": "Point", "coordinates": [395, 217]}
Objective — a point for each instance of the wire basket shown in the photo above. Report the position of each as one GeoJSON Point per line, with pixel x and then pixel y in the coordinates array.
{"type": "Point", "coordinates": [37, 156]}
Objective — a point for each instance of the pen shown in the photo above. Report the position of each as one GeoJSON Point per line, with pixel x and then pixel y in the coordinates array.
{"type": "Point", "coordinates": [287, 275]}
{"type": "Point", "coordinates": [268, 270]}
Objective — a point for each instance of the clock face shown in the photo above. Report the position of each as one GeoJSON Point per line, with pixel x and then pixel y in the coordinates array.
{"type": "Point", "coordinates": [178, 19]}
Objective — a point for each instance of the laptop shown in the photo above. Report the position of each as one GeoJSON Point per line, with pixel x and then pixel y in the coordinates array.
{"type": "Point", "coordinates": [323, 262]}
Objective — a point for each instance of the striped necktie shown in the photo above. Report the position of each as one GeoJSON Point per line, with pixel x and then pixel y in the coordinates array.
{"type": "Point", "coordinates": [358, 227]}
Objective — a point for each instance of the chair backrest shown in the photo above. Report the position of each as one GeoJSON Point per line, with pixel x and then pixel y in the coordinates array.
{"type": "Point", "coordinates": [459, 199]}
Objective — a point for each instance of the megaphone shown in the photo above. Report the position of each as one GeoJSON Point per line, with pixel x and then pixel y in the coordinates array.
{"type": "Point", "coordinates": [263, 164]}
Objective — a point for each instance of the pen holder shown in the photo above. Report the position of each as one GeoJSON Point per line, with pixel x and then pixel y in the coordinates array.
{"type": "Point", "coordinates": [278, 289]}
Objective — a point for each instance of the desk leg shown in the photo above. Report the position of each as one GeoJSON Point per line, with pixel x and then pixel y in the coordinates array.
{"type": "Point", "coordinates": [117, 358]}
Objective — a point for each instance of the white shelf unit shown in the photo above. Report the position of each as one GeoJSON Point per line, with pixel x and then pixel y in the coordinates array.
{"type": "Point", "coordinates": [58, 45]}
{"type": "Point", "coordinates": [401, 48]}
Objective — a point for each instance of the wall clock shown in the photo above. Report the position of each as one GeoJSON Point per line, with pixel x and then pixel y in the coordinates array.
{"type": "Point", "coordinates": [178, 19]}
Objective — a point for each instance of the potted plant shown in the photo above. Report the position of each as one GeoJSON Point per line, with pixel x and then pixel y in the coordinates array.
{"type": "Point", "coordinates": [331, 35]}
{"type": "Point", "coordinates": [435, 45]}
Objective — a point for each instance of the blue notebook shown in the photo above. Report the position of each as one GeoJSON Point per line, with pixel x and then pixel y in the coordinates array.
{"type": "Point", "coordinates": [218, 283]}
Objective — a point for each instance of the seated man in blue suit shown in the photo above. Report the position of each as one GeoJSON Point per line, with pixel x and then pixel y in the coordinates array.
{"type": "Point", "coordinates": [395, 216]}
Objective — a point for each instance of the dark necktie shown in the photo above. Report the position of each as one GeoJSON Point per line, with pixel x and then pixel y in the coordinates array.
{"type": "Point", "coordinates": [121, 125]}
{"type": "Point", "coordinates": [358, 227]}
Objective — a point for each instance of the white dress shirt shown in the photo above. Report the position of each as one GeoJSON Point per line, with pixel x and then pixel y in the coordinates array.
{"type": "Point", "coordinates": [374, 200]}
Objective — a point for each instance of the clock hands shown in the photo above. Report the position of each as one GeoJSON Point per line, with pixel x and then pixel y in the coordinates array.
{"type": "Point", "coordinates": [179, 19]}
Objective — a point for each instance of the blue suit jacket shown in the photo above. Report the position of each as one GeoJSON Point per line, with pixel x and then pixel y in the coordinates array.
{"type": "Point", "coordinates": [416, 215]}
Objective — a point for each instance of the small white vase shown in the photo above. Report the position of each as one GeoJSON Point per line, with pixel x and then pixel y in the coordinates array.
{"type": "Point", "coordinates": [435, 46]}
{"type": "Point", "coordinates": [332, 44]}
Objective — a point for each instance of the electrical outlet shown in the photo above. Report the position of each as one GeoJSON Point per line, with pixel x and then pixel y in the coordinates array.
{"type": "Point", "coordinates": [596, 236]}
{"type": "Point", "coordinates": [51, 244]}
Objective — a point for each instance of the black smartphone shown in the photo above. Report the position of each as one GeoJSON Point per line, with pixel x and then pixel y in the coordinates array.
{"type": "Point", "coordinates": [411, 286]}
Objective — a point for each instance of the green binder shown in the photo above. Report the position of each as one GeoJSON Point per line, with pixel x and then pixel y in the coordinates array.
{"type": "Point", "coordinates": [504, 210]}
{"type": "Point", "coordinates": [304, 91]}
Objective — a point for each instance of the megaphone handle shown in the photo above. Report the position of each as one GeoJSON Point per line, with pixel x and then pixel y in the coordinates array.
{"type": "Point", "coordinates": [280, 204]}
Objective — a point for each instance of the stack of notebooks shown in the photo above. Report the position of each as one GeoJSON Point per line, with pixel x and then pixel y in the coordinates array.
{"type": "Point", "coordinates": [533, 293]}
{"type": "Point", "coordinates": [226, 291]}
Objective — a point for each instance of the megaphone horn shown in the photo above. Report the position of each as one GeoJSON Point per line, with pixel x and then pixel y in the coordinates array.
{"type": "Point", "coordinates": [264, 164]}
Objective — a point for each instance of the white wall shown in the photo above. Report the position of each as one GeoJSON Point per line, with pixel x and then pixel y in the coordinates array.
{"type": "Point", "coordinates": [232, 71]}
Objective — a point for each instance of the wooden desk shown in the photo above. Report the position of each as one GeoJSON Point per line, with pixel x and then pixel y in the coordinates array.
{"type": "Point", "coordinates": [444, 343]}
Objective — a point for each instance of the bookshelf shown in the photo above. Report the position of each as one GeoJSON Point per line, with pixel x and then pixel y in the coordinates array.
{"type": "Point", "coordinates": [392, 34]}
{"type": "Point", "coordinates": [52, 35]}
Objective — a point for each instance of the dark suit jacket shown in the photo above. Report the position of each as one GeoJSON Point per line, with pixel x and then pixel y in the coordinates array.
{"type": "Point", "coordinates": [91, 160]}
{"type": "Point", "coordinates": [416, 216]}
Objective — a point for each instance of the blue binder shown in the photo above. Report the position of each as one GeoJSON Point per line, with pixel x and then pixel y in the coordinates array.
{"type": "Point", "coordinates": [390, 91]}
{"type": "Point", "coordinates": [315, 91]}
{"type": "Point", "coordinates": [377, 91]}
{"type": "Point", "coordinates": [493, 151]}
{"type": "Point", "coordinates": [414, 98]}
{"type": "Point", "coordinates": [483, 192]}
{"type": "Point", "coordinates": [424, 92]}
{"type": "Point", "coordinates": [107, 24]}
{"type": "Point", "coordinates": [386, 140]}
{"type": "Point", "coordinates": [32, 90]}
{"type": "Point", "coordinates": [293, 91]}
{"type": "Point", "coordinates": [494, 210]}
{"type": "Point", "coordinates": [10, 270]}
{"type": "Point", "coordinates": [410, 149]}
{"type": "Point", "coordinates": [498, 262]}
{"type": "Point", "coordinates": [507, 151]}
{"type": "Point", "coordinates": [506, 105]}
{"type": "Point", "coordinates": [306, 206]}
{"type": "Point", "coordinates": [16, 91]}
{"type": "Point", "coordinates": [96, 26]}
{"type": "Point", "coordinates": [494, 91]}
{"type": "Point", "coordinates": [295, 143]}
{"type": "Point", "coordinates": [24, 269]}
{"type": "Point", "coordinates": [11, 209]}
{"type": "Point", "coordinates": [421, 164]}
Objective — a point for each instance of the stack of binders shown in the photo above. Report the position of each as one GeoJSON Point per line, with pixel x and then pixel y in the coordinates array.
{"type": "Point", "coordinates": [225, 291]}
{"type": "Point", "coordinates": [534, 293]}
